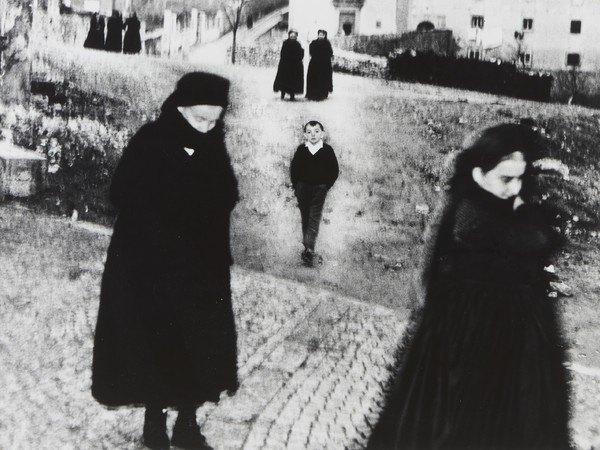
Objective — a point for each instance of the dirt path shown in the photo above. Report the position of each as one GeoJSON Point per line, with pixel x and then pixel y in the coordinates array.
{"type": "Point", "coordinates": [386, 135]}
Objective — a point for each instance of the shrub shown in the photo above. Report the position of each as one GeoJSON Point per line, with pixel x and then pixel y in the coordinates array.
{"type": "Point", "coordinates": [463, 73]}
{"type": "Point", "coordinates": [366, 66]}
{"type": "Point", "coordinates": [82, 155]}
{"type": "Point", "coordinates": [440, 42]}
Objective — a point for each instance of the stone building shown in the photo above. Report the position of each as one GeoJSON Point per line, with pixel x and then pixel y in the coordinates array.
{"type": "Point", "coordinates": [541, 34]}
{"type": "Point", "coordinates": [347, 17]}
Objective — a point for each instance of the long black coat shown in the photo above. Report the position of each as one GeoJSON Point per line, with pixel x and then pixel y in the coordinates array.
{"type": "Point", "coordinates": [132, 42]}
{"type": "Point", "coordinates": [95, 36]}
{"type": "Point", "coordinates": [319, 81]}
{"type": "Point", "coordinates": [114, 34]}
{"type": "Point", "coordinates": [165, 332]}
{"type": "Point", "coordinates": [90, 40]}
{"type": "Point", "coordinates": [484, 367]}
{"type": "Point", "coordinates": [290, 72]}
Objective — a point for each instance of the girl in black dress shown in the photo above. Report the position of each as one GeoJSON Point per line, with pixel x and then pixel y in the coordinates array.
{"type": "Point", "coordinates": [484, 366]}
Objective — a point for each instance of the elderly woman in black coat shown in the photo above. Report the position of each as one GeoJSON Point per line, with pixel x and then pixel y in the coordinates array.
{"type": "Point", "coordinates": [132, 43]}
{"type": "Point", "coordinates": [319, 82]}
{"type": "Point", "coordinates": [484, 366]}
{"type": "Point", "coordinates": [290, 73]}
{"type": "Point", "coordinates": [165, 335]}
{"type": "Point", "coordinates": [114, 33]}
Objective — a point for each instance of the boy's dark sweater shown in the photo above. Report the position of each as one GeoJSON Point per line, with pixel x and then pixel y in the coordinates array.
{"type": "Point", "coordinates": [320, 168]}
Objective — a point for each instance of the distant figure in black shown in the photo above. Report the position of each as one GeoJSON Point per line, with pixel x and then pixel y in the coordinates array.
{"type": "Point", "coordinates": [165, 335]}
{"type": "Point", "coordinates": [290, 73]}
{"type": "Point", "coordinates": [91, 36]}
{"type": "Point", "coordinates": [313, 171]}
{"type": "Point", "coordinates": [95, 36]}
{"type": "Point", "coordinates": [132, 43]}
{"type": "Point", "coordinates": [319, 81]}
{"type": "Point", "coordinates": [100, 33]}
{"type": "Point", "coordinates": [484, 367]}
{"type": "Point", "coordinates": [114, 33]}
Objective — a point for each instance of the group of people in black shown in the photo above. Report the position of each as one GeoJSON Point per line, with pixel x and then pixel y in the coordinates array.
{"type": "Point", "coordinates": [482, 366]}
{"type": "Point", "coordinates": [290, 72]}
{"type": "Point", "coordinates": [114, 41]}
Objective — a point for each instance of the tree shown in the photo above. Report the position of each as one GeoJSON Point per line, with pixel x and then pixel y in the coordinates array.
{"type": "Point", "coordinates": [233, 11]}
{"type": "Point", "coordinates": [576, 85]}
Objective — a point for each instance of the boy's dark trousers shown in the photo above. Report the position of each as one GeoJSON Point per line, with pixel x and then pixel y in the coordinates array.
{"type": "Point", "coordinates": [311, 198]}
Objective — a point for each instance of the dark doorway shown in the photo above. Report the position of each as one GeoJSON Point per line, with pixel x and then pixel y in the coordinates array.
{"type": "Point", "coordinates": [425, 26]}
{"type": "Point", "coordinates": [347, 23]}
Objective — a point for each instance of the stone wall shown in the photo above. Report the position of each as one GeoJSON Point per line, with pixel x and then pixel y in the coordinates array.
{"type": "Point", "coordinates": [363, 65]}
{"type": "Point", "coordinates": [261, 56]}
{"type": "Point", "coordinates": [440, 42]}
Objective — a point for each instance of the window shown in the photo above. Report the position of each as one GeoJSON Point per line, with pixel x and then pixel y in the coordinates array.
{"type": "Point", "coordinates": [473, 54]}
{"type": "Point", "coordinates": [575, 26]}
{"type": "Point", "coordinates": [477, 21]}
{"type": "Point", "coordinates": [573, 59]}
{"type": "Point", "coordinates": [527, 24]}
{"type": "Point", "coordinates": [441, 22]}
{"type": "Point", "coordinates": [525, 58]}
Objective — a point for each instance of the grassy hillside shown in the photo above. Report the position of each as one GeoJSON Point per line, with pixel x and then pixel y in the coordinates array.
{"type": "Point", "coordinates": [392, 140]}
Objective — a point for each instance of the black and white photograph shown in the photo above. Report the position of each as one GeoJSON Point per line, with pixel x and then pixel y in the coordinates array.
{"type": "Point", "coordinates": [299, 224]}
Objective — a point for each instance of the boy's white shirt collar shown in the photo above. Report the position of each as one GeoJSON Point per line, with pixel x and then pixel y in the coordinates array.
{"type": "Point", "coordinates": [314, 148]}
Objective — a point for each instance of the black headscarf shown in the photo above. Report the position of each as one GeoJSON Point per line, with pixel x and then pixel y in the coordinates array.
{"type": "Point", "coordinates": [199, 88]}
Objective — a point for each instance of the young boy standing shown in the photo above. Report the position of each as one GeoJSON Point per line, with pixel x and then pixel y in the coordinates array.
{"type": "Point", "coordinates": [313, 171]}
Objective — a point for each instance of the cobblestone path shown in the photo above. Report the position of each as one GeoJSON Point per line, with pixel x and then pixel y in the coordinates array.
{"type": "Point", "coordinates": [311, 363]}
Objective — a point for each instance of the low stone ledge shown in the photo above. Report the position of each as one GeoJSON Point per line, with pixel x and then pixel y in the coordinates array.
{"type": "Point", "coordinates": [22, 172]}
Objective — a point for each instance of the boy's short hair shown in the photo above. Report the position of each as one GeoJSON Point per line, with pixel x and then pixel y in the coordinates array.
{"type": "Point", "coordinates": [314, 123]}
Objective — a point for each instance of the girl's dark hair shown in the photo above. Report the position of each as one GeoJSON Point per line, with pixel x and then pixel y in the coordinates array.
{"type": "Point", "coordinates": [494, 145]}
{"type": "Point", "coordinates": [314, 123]}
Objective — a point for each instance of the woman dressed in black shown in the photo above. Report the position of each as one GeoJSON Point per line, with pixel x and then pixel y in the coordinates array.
{"type": "Point", "coordinates": [95, 36]}
{"type": "Point", "coordinates": [132, 42]}
{"type": "Point", "coordinates": [90, 40]}
{"type": "Point", "coordinates": [290, 73]}
{"type": "Point", "coordinates": [319, 81]}
{"type": "Point", "coordinates": [114, 33]}
{"type": "Point", "coordinates": [165, 335]}
{"type": "Point", "coordinates": [484, 365]}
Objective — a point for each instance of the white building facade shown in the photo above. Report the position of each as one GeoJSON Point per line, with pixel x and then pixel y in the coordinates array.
{"type": "Point", "coordinates": [542, 34]}
{"type": "Point", "coordinates": [343, 17]}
